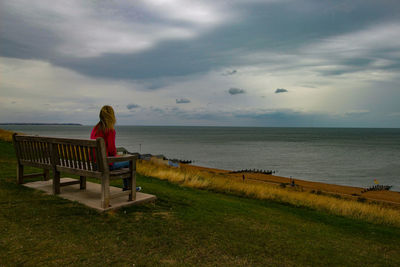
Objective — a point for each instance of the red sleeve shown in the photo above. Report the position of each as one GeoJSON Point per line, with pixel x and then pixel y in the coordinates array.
{"type": "Point", "coordinates": [110, 143]}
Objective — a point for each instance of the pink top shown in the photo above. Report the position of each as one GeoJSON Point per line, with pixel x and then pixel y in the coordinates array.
{"type": "Point", "coordinates": [109, 139]}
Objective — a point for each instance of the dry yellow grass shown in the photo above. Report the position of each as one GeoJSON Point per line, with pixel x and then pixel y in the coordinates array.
{"type": "Point", "coordinates": [206, 180]}
{"type": "Point", "coordinates": [6, 135]}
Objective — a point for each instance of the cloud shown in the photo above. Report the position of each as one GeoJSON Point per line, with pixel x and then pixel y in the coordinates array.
{"type": "Point", "coordinates": [79, 29]}
{"type": "Point", "coordinates": [132, 106]}
{"type": "Point", "coordinates": [229, 72]}
{"type": "Point", "coordinates": [280, 90]}
{"type": "Point", "coordinates": [236, 91]}
{"type": "Point", "coordinates": [182, 101]}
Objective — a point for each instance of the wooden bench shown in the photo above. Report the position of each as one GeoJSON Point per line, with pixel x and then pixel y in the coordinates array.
{"type": "Point", "coordinates": [86, 158]}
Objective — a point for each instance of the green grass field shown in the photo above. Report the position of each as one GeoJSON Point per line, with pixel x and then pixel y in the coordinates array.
{"type": "Point", "coordinates": [185, 227]}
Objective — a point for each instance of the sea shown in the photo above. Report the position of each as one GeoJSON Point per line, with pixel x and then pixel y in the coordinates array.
{"type": "Point", "coordinates": [344, 156]}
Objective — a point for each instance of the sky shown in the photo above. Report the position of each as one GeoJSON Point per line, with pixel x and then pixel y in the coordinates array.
{"type": "Point", "coordinates": [269, 63]}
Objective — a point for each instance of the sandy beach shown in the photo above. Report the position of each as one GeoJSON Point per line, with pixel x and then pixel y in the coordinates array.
{"type": "Point", "coordinates": [388, 197]}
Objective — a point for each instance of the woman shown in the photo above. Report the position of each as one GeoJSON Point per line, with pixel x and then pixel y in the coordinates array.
{"type": "Point", "coordinates": [105, 129]}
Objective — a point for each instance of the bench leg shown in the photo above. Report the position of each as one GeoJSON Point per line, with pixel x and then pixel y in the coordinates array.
{"type": "Point", "coordinates": [20, 174]}
{"type": "Point", "coordinates": [46, 175]}
{"type": "Point", "coordinates": [82, 182]}
{"type": "Point", "coordinates": [132, 181]}
{"type": "Point", "coordinates": [56, 182]}
{"type": "Point", "coordinates": [105, 192]}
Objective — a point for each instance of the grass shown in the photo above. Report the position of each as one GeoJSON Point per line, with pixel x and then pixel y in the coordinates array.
{"type": "Point", "coordinates": [186, 227]}
{"type": "Point", "coordinates": [6, 135]}
{"type": "Point", "coordinates": [328, 203]}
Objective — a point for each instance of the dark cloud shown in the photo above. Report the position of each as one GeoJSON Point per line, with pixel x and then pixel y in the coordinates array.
{"type": "Point", "coordinates": [229, 72]}
{"type": "Point", "coordinates": [132, 106]}
{"type": "Point", "coordinates": [236, 91]}
{"type": "Point", "coordinates": [182, 101]}
{"type": "Point", "coordinates": [316, 20]}
{"type": "Point", "coordinates": [280, 90]}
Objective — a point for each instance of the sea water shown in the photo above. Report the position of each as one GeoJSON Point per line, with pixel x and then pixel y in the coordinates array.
{"type": "Point", "coordinates": [346, 156]}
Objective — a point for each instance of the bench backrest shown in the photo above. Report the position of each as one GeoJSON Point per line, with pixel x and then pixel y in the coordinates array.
{"type": "Point", "coordinates": [83, 155]}
{"type": "Point", "coordinates": [32, 151]}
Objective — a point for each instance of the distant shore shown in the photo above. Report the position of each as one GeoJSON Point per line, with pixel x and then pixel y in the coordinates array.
{"type": "Point", "coordinates": [39, 123]}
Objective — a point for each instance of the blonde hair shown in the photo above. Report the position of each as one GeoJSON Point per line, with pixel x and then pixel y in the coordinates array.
{"type": "Point", "coordinates": [107, 119]}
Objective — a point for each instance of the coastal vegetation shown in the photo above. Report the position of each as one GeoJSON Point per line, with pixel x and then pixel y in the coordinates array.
{"type": "Point", "coordinates": [6, 135]}
{"type": "Point", "coordinates": [372, 212]}
{"type": "Point", "coordinates": [186, 226]}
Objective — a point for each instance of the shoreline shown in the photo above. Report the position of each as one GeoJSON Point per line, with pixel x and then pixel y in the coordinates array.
{"type": "Point", "coordinates": [350, 192]}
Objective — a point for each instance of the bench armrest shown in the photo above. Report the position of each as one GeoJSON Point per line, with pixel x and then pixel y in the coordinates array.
{"type": "Point", "coordinates": [121, 158]}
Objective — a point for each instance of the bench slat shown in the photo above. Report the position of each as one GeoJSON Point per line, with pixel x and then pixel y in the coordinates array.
{"type": "Point", "coordinates": [86, 156]}
{"type": "Point", "coordinates": [57, 140]}
{"type": "Point", "coordinates": [70, 183]}
{"type": "Point", "coordinates": [35, 164]}
{"type": "Point", "coordinates": [78, 157]}
{"type": "Point", "coordinates": [94, 174]}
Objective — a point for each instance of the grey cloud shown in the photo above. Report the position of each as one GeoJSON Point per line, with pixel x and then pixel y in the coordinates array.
{"type": "Point", "coordinates": [182, 101]}
{"type": "Point", "coordinates": [236, 91]}
{"type": "Point", "coordinates": [229, 72]}
{"type": "Point", "coordinates": [212, 49]}
{"type": "Point", "coordinates": [132, 106]}
{"type": "Point", "coordinates": [280, 90]}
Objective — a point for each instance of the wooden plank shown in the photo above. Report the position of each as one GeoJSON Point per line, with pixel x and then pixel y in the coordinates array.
{"type": "Point", "coordinates": [28, 151]}
{"type": "Point", "coordinates": [47, 152]}
{"type": "Point", "coordinates": [66, 155]}
{"type": "Point", "coordinates": [57, 140]}
{"type": "Point", "coordinates": [77, 158]}
{"type": "Point", "coordinates": [93, 163]}
{"type": "Point", "coordinates": [21, 150]}
{"type": "Point", "coordinates": [55, 159]}
{"type": "Point", "coordinates": [35, 164]}
{"type": "Point", "coordinates": [86, 156]}
{"type": "Point", "coordinates": [56, 183]}
{"type": "Point", "coordinates": [33, 151]}
{"type": "Point", "coordinates": [70, 183]}
{"type": "Point", "coordinates": [61, 154]}
{"type": "Point", "coordinates": [94, 174]}
{"type": "Point", "coordinates": [46, 175]}
{"type": "Point", "coordinates": [105, 181]}
{"type": "Point", "coordinates": [37, 151]}
{"type": "Point", "coordinates": [72, 155]}
{"type": "Point", "coordinates": [43, 152]}
{"type": "Point", "coordinates": [33, 175]}
{"type": "Point", "coordinates": [82, 180]}
{"type": "Point", "coordinates": [16, 147]}
{"type": "Point", "coordinates": [83, 157]}
{"type": "Point", "coordinates": [132, 180]}
{"type": "Point", "coordinates": [31, 154]}
{"type": "Point", "coordinates": [20, 174]}
{"type": "Point", "coordinates": [121, 158]}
